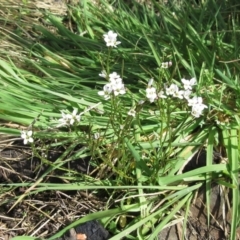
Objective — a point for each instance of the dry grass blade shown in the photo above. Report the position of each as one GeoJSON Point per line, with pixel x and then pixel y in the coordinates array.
{"type": "Point", "coordinates": [58, 7]}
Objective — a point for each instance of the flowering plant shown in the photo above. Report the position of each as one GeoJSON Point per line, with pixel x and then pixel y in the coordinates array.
{"type": "Point", "coordinates": [69, 118]}
{"type": "Point", "coordinates": [173, 90]}
{"type": "Point", "coordinates": [27, 136]}
{"type": "Point", "coordinates": [111, 39]}
{"type": "Point", "coordinates": [115, 85]}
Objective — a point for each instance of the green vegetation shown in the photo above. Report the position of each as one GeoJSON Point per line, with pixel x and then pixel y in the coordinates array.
{"type": "Point", "coordinates": [51, 68]}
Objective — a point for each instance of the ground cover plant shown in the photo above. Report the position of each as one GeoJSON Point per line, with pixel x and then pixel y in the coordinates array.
{"type": "Point", "coordinates": [134, 91]}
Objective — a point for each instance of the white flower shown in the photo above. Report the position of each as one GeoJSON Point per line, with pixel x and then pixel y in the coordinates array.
{"type": "Point", "coordinates": [111, 39]}
{"type": "Point", "coordinates": [64, 120]}
{"type": "Point", "coordinates": [172, 89]}
{"type": "Point", "coordinates": [194, 100]}
{"type": "Point", "coordinates": [73, 117]}
{"type": "Point", "coordinates": [187, 94]}
{"type": "Point", "coordinates": [113, 76]}
{"type": "Point", "coordinates": [69, 118]}
{"type": "Point", "coordinates": [107, 89]}
{"type": "Point", "coordinates": [26, 136]}
{"type": "Point", "coordinates": [188, 84]}
{"type": "Point", "coordinates": [115, 85]}
{"type": "Point", "coordinates": [151, 94]}
{"type": "Point", "coordinates": [178, 94]}
{"type": "Point", "coordinates": [195, 113]}
{"type": "Point", "coordinates": [118, 88]}
{"type": "Point", "coordinates": [197, 106]}
{"type": "Point", "coordinates": [132, 112]}
{"type": "Point", "coordinates": [161, 94]}
{"type": "Point", "coordinates": [197, 109]}
{"type": "Point", "coordinates": [166, 64]}
{"type": "Point", "coordinates": [116, 81]}
{"type": "Point", "coordinates": [103, 74]}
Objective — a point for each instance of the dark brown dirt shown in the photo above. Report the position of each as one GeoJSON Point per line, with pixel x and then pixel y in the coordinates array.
{"type": "Point", "coordinates": [42, 213]}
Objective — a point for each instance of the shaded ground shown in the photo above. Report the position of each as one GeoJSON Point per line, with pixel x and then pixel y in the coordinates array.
{"type": "Point", "coordinates": [43, 213]}
{"type": "Point", "coordinates": [197, 228]}
{"type": "Point", "coordinates": [197, 224]}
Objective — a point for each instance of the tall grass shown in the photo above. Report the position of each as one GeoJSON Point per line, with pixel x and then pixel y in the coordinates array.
{"type": "Point", "coordinates": [140, 159]}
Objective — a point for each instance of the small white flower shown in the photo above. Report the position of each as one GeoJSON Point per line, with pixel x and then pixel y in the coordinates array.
{"type": "Point", "coordinates": [172, 89]}
{"type": "Point", "coordinates": [132, 112]}
{"type": "Point", "coordinates": [195, 113]}
{"type": "Point", "coordinates": [166, 64]}
{"type": "Point", "coordinates": [195, 100]}
{"type": "Point", "coordinates": [117, 86]}
{"type": "Point", "coordinates": [64, 120]}
{"type": "Point", "coordinates": [117, 81]}
{"type": "Point", "coordinates": [197, 106]}
{"type": "Point", "coordinates": [119, 89]}
{"type": "Point", "coordinates": [107, 89]}
{"type": "Point", "coordinates": [103, 74]}
{"type": "Point", "coordinates": [73, 117]}
{"type": "Point", "coordinates": [111, 39]}
{"type": "Point", "coordinates": [161, 94]}
{"type": "Point", "coordinates": [187, 94]}
{"type": "Point", "coordinates": [150, 82]}
{"type": "Point", "coordinates": [188, 84]}
{"type": "Point", "coordinates": [114, 86]}
{"type": "Point", "coordinates": [26, 136]}
{"type": "Point", "coordinates": [197, 109]}
{"type": "Point", "coordinates": [69, 118]}
{"type": "Point", "coordinates": [178, 94]}
{"type": "Point", "coordinates": [113, 76]}
{"type": "Point", "coordinates": [151, 94]}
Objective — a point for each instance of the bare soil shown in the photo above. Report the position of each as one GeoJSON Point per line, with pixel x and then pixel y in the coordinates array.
{"type": "Point", "coordinates": [40, 214]}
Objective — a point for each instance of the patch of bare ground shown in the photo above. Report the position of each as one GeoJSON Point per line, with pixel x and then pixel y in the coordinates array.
{"type": "Point", "coordinates": [39, 213]}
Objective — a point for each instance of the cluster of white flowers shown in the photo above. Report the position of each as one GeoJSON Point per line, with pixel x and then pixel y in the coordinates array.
{"type": "Point", "coordinates": [151, 92]}
{"type": "Point", "coordinates": [69, 118]}
{"type": "Point", "coordinates": [27, 136]}
{"type": "Point", "coordinates": [197, 106]}
{"type": "Point", "coordinates": [111, 39]}
{"type": "Point", "coordinates": [173, 90]}
{"type": "Point", "coordinates": [115, 85]}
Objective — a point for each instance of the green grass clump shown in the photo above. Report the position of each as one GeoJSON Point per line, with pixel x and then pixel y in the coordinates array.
{"type": "Point", "coordinates": [140, 157]}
